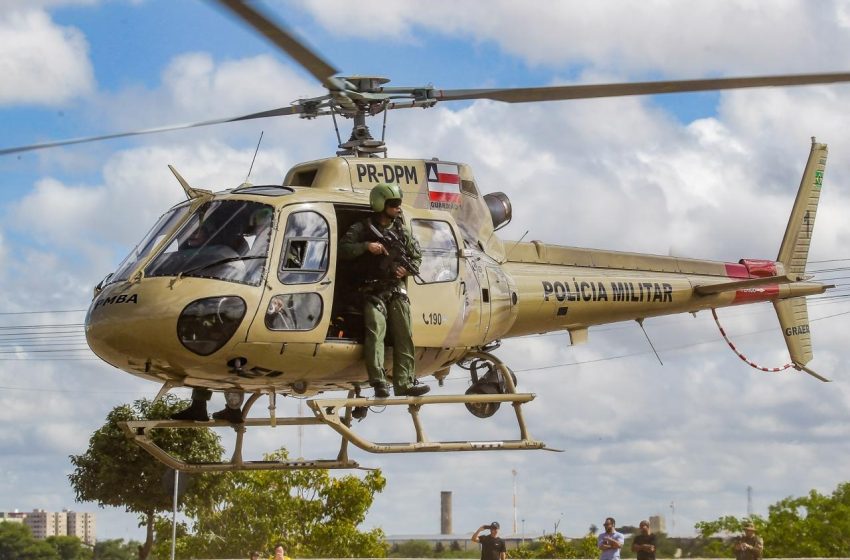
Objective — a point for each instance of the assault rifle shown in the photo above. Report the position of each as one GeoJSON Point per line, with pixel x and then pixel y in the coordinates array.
{"type": "Point", "coordinates": [396, 249]}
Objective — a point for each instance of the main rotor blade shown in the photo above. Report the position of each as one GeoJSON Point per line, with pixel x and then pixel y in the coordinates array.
{"type": "Point", "coordinates": [554, 93]}
{"type": "Point", "coordinates": [275, 33]}
{"type": "Point", "coordinates": [272, 113]}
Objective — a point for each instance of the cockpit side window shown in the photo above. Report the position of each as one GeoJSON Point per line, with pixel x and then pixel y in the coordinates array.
{"type": "Point", "coordinates": [439, 251]}
{"type": "Point", "coordinates": [304, 259]}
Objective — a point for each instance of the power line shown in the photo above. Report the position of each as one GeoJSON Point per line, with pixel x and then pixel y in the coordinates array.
{"type": "Point", "coordinates": [41, 312]}
{"type": "Point", "coordinates": [828, 260]}
{"type": "Point", "coordinates": [51, 359]}
{"type": "Point", "coordinates": [671, 349]}
{"type": "Point", "coordinates": [40, 344]}
{"type": "Point", "coordinates": [52, 351]}
{"type": "Point", "coordinates": [27, 337]}
{"type": "Point", "coordinates": [58, 325]}
{"type": "Point", "coordinates": [734, 311]}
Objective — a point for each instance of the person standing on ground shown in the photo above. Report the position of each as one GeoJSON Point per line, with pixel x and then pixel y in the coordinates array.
{"type": "Point", "coordinates": [644, 543]}
{"type": "Point", "coordinates": [492, 546]}
{"type": "Point", "coordinates": [610, 541]}
{"type": "Point", "coordinates": [749, 546]}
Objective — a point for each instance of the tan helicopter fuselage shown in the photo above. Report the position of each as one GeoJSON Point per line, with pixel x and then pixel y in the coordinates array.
{"type": "Point", "coordinates": [475, 289]}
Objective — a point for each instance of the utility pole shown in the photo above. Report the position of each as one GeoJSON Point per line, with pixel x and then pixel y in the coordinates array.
{"type": "Point", "coordinates": [300, 429]}
{"type": "Point", "coordinates": [673, 517]}
{"type": "Point", "coordinates": [749, 502]}
{"type": "Point", "coordinates": [514, 473]}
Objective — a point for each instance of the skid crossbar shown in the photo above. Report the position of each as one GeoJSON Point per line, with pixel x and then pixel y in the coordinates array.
{"type": "Point", "coordinates": [139, 432]}
{"type": "Point", "coordinates": [326, 410]}
{"type": "Point", "coordinates": [337, 414]}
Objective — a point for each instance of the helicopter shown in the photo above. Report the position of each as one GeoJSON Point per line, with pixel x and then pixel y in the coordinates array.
{"type": "Point", "coordinates": [197, 305]}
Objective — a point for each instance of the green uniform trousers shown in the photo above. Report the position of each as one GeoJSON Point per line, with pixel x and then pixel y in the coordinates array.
{"type": "Point", "coordinates": [380, 312]}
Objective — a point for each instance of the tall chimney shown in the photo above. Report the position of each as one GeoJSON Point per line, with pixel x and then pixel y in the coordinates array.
{"type": "Point", "coordinates": [445, 513]}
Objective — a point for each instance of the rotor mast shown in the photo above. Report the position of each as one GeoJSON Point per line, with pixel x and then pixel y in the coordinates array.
{"type": "Point", "coordinates": [361, 142]}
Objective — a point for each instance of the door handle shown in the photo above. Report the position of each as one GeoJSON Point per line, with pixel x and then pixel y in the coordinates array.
{"type": "Point", "coordinates": [325, 282]}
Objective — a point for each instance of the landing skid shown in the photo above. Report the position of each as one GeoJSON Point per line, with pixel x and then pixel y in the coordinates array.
{"type": "Point", "coordinates": [337, 414]}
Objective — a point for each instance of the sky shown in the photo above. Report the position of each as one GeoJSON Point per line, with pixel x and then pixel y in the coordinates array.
{"type": "Point", "coordinates": [709, 175]}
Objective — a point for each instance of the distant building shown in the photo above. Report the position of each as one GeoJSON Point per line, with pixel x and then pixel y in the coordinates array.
{"type": "Point", "coordinates": [43, 524]}
{"type": "Point", "coordinates": [82, 526]}
{"type": "Point", "coordinates": [657, 524]}
{"type": "Point", "coordinates": [13, 517]}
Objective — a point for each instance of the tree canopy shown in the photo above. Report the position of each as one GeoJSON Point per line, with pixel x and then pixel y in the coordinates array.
{"type": "Point", "coordinates": [69, 548]}
{"type": "Point", "coordinates": [815, 525]}
{"type": "Point", "coordinates": [116, 549]}
{"type": "Point", "coordinates": [17, 543]}
{"type": "Point", "coordinates": [308, 511]}
{"type": "Point", "coordinates": [556, 545]}
{"type": "Point", "coordinates": [114, 471]}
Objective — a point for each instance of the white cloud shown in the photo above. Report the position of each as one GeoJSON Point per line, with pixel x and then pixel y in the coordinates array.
{"type": "Point", "coordinates": [686, 39]}
{"type": "Point", "coordinates": [41, 63]}
{"type": "Point", "coordinates": [137, 188]}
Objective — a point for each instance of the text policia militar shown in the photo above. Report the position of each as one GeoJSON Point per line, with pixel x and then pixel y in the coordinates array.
{"type": "Point", "coordinates": [596, 291]}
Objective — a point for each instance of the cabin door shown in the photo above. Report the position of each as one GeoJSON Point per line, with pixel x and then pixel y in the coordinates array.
{"type": "Point", "coordinates": [296, 304]}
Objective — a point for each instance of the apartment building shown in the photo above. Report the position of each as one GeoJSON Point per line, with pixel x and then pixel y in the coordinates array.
{"type": "Point", "coordinates": [45, 524]}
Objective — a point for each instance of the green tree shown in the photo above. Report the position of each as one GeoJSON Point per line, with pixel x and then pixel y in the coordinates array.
{"type": "Point", "coordinates": [17, 543]}
{"type": "Point", "coordinates": [556, 545]}
{"type": "Point", "coordinates": [114, 471]}
{"type": "Point", "coordinates": [311, 513]}
{"type": "Point", "coordinates": [413, 549]}
{"type": "Point", "coordinates": [116, 549]}
{"type": "Point", "coordinates": [815, 525]}
{"type": "Point", "coordinates": [69, 548]}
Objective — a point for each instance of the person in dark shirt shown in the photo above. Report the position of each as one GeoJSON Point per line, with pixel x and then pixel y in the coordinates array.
{"type": "Point", "coordinates": [644, 543]}
{"type": "Point", "coordinates": [492, 546]}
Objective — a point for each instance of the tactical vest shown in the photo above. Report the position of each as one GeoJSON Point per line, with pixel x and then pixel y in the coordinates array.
{"type": "Point", "coordinates": [369, 267]}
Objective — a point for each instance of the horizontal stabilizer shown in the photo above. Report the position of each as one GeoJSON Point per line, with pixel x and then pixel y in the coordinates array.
{"type": "Point", "coordinates": [709, 289]}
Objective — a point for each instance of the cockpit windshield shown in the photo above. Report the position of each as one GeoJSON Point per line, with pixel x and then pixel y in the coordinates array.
{"type": "Point", "coordinates": [223, 239]}
{"type": "Point", "coordinates": [146, 245]}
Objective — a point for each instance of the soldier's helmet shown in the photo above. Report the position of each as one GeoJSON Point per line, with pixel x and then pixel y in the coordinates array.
{"type": "Point", "coordinates": [260, 218]}
{"type": "Point", "coordinates": [381, 193]}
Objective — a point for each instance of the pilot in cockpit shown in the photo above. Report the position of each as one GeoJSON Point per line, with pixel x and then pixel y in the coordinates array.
{"type": "Point", "coordinates": [258, 232]}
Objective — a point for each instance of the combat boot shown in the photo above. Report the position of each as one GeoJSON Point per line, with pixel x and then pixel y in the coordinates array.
{"type": "Point", "coordinates": [381, 391]}
{"type": "Point", "coordinates": [232, 415]}
{"type": "Point", "coordinates": [196, 412]}
{"type": "Point", "coordinates": [412, 391]}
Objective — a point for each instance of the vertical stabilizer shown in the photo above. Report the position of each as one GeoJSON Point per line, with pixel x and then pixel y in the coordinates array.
{"type": "Point", "coordinates": [794, 319]}
{"type": "Point", "coordinates": [794, 253]}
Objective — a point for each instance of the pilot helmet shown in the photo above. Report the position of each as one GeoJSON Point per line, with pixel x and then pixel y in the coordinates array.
{"type": "Point", "coordinates": [260, 218]}
{"type": "Point", "coordinates": [381, 193]}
